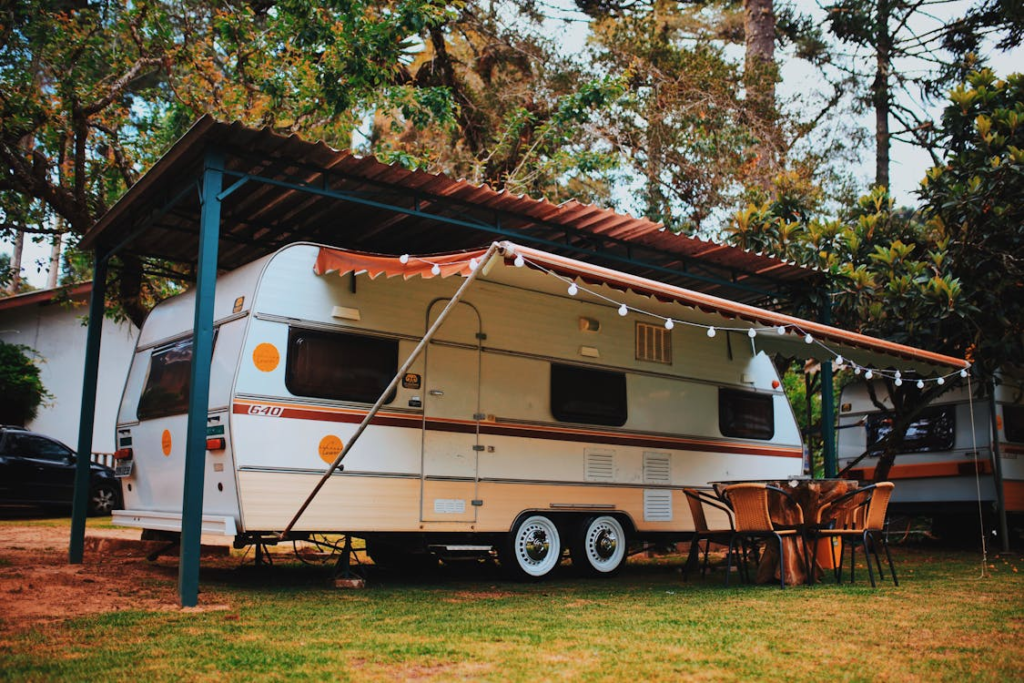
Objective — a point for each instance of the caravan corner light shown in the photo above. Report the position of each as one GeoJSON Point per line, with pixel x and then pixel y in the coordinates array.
{"type": "Point", "coordinates": [123, 454]}
{"type": "Point", "coordinates": [217, 444]}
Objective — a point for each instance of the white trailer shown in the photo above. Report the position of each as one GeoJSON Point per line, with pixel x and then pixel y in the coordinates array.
{"type": "Point", "coordinates": [946, 467]}
{"type": "Point", "coordinates": [553, 409]}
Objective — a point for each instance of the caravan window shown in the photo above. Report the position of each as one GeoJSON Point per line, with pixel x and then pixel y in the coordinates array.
{"type": "Point", "coordinates": [342, 367]}
{"type": "Point", "coordinates": [934, 430]}
{"type": "Point", "coordinates": [746, 415]}
{"type": "Point", "coordinates": [166, 390]}
{"type": "Point", "coordinates": [585, 395]}
{"type": "Point", "coordinates": [1013, 423]}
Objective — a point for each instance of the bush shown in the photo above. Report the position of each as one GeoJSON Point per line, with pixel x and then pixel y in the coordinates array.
{"type": "Point", "coordinates": [20, 386]}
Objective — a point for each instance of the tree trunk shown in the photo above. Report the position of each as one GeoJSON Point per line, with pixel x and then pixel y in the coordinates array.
{"type": "Point", "coordinates": [881, 95]}
{"type": "Point", "coordinates": [54, 268]}
{"type": "Point", "coordinates": [759, 75]}
{"type": "Point", "coordinates": [19, 250]}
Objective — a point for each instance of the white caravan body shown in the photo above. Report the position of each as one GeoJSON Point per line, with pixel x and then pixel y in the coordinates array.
{"type": "Point", "coordinates": [527, 400]}
{"type": "Point", "coordinates": [936, 473]}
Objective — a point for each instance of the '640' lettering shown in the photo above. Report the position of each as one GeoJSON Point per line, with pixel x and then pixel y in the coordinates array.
{"type": "Point", "coordinates": [266, 411]}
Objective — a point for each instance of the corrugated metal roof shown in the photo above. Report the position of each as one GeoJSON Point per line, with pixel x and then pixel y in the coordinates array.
{"type": "Point", "coordinates": [267, 211]}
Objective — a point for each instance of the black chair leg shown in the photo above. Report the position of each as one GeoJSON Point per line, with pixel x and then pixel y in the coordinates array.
{"type": "Point", "coordinates": [888, 557]}
{"type": "Point", "coordinates": [728, 559]}
{"type": "Point", "coordinates": [867, 557]}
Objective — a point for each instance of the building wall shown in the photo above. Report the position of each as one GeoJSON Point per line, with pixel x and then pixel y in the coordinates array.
{"type": "Point", "coordinates": [57, 334]}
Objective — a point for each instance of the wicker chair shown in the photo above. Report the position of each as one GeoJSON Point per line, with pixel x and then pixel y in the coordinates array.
{"type": "Point", "coordinates": [861, 521]}
{"type": "Point", "coordinates": [749, 503]}
{"type": "Point", "coordinates": [697, 499]}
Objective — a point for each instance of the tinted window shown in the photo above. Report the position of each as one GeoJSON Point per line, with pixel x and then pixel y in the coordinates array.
{"type": "Point", "coordinates": [585, 395]}
{"type": "Point", "coordinates": [934, 430]}
{"type": "Point", "coordinates": [29, 446]}
{"type": "Point", "coordinates": [344, 367]}
{"type": "Point", "coordinates": [167, 386]}
{"type": "Point", "coordinates": [1013, 423]}
{"type": "Point", "coordinates": [746, 415]}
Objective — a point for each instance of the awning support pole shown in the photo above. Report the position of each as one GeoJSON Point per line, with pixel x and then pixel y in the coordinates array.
{"type": "Point", "coordinates": [484, 261]}
{"type": "Point", "coordinates": [997, 470]}
{"type": "Point", "coordinates": [199, 382]}
{"type": "Point", "coordinates": [87, 415]}
{"type": "Point", "coordinates": [828, 408]}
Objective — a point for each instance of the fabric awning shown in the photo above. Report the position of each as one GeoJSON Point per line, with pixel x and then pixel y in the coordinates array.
{"type": "Point", "coordinates": [658, 300]}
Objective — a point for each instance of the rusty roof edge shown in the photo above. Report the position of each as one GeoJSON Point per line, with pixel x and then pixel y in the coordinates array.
{"type": "Point", "coordinates": [194, 134]}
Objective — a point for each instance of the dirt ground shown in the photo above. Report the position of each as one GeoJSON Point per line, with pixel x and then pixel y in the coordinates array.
{"type": "Point", "coordinates": [37, 585]}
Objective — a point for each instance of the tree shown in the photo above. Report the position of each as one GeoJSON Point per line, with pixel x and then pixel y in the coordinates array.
{"type": "Point", "coordinates": [20, 385]}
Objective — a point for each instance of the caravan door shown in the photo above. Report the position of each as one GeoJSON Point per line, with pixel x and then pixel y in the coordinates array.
{"type": "Point", "coordinates": [451, 412]}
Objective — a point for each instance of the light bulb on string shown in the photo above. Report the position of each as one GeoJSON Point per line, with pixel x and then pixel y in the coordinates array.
{"type": "Point", "coordinates": [920, 384]}
{"type": "Point", "coordinates": [519, 262]}
{"type": "Point", "coordinates": [669, 324]}
{"type": "Point", "coordinates": [781, 329]}
{"type": "Point", "coordinates": [436, 270]}
{"type": "Point", "coordinates": [573, 289]}
{"type": "Point", "coordinates": [868, 374]}
{"type": "Point", "coordinates": [751, 333]}
{"type": "Point", "coordinates": [711, 332]}
{"type": "Point", "coordinates": [941, 381]}
{"type": "Point", "coordinates": [473, 264]}
{"type": "Point", "coordinates": [623, 309]}
{"type": "Point", "coordinates": [856, 369]}
{"type": "Point", "coordinates": [403, 259]}
{"type": "Point", "coordinates": [898, 382]}
{"type": "Point", "coordinates": [839, 359]}
{"type": "Point", "coordinates": [963, 373]}
{"type": "Point", "coordinates": [808, 339]}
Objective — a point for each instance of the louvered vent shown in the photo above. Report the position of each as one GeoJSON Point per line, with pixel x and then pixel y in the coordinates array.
{"type": "Point", "coordinates": [600, 466]}
{"type": "Point", "coordinates": [657, 468]}
{"type": "Point", "coordinates": [658, 506]}
{"type": "Point", "coordinates": [653, 343]}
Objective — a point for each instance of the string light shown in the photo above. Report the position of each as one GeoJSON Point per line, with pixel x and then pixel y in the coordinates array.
{"type": "Point", "coordinates": [403, 259]}
{"type": "Point", "coordinates": [473, 264]}
{"type": "Point", "coordinates": [839, 361]}
{"type": "Point", "coordinates": [436, 270]}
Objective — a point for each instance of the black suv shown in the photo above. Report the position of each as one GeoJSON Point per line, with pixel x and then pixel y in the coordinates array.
{"type": "Point", "coordinates": [38, 470]}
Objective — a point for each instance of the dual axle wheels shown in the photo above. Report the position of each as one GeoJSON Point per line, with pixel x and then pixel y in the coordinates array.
{"type": "Point", "coordinates": [534, 548]}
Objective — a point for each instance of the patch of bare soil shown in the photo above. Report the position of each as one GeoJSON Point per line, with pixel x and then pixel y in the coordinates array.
{"type": "Point", "coordinates": [37, 585]}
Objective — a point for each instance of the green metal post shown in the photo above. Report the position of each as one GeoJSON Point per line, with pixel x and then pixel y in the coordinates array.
{"type": "Point", "coordinates": [828, 408]}
{"type": "Point", "coordinates": [80, 502]}
{"type": "Point", "coordinates": [199, 386]}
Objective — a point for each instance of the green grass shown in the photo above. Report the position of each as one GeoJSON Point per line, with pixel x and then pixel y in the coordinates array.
{"type": "Point", "coordinates": [944, 622]}
{"type": "Point", "coordinates": [54, 520]}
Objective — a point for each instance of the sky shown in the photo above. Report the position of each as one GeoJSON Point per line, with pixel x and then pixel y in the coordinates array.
{"type": "Point", "coordinates": [908, 163]}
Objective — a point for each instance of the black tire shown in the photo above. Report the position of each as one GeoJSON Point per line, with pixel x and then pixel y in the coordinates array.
{"type": "Point", "coordinates": [532, 550]}
{"type": "Point", "coordinates": [599, 546]}
{"type": "Point", "coordinates": [103, 499]}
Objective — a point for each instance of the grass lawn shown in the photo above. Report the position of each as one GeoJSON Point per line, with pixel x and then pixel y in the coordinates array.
{"type": "Point", "coordinates": [944, 622]}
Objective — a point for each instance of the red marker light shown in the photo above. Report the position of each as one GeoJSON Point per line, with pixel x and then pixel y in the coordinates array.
{"type": "Point", "coordinates": [218, 444]}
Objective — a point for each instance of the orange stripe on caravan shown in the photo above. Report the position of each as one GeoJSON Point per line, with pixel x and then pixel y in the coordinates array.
{"type": "Point", "coordinates": [1013, 496]}
{"type": "Point", "coordinates": [353, 416]}
{"type": "Point", "coordinates": [928, 469]}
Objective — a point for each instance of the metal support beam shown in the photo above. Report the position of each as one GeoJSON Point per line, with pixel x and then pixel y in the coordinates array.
{"type": "Point", "coordinates": [80, 502]}
{"type": "Point", "coordinates": [997, 470]}
{"type": "Point", "coordinates": [828, 408]}
{"type": "Point", "coordinates": [199, 383]}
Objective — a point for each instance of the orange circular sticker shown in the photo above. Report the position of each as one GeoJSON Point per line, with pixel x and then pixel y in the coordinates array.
{"type": "Point", "coordinates": [165, 442]}
{"type": "Point", "coordinates": [330, 446]}
{"type": "Point", "coordinates": [266, 357]}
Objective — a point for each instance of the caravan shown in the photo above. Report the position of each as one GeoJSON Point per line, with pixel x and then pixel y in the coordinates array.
{"type": "Point", "coordinates": [560, 405]}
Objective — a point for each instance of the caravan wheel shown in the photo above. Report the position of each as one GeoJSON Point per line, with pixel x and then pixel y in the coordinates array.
{"type": "Point", "coordinates": [599, 547]}
{"type": "Point", "coordinates": [533, 548]}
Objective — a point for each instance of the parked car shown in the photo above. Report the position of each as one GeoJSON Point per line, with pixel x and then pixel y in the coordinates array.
{"type": "Point", "coordinates": [38, 470]}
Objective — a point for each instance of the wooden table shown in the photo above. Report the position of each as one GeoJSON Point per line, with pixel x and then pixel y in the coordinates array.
{"type": "Point", "coordinates": [812, 495]}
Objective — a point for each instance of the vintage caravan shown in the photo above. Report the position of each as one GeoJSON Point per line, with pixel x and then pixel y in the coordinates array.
{"type": "Point", "coordinates": [946, 466]}
{"type": "Point", "coordinates": [559, 405]}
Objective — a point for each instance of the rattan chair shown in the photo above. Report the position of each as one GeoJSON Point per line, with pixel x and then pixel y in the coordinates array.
{"type": "Point", "coordinates": [861, 522]}
{"type": "Point", "coordinates": [697, 499]}
{"type": "Point", "coordinates": [749, 503]}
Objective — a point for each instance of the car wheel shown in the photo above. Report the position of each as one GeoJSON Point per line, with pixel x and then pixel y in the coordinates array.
{"type": "Point", "coordinates": [599, 546]}
{"type": "Point", "coordinates": [102, 500]}
{"type": "Point", "coordinates": [533, 548]}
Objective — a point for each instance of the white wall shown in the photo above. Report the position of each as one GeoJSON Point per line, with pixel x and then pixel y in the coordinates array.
{"type": "Point", "coordinates": [57, 334]}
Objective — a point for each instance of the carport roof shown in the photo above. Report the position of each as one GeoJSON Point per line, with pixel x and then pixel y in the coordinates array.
{"type": "Point", "coordinates": [280, 189]}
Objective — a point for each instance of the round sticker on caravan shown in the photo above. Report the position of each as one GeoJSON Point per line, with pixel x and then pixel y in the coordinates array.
{"type": "Point", "coordinates": [266, 357]}
{"type": "Point", "coordinates": [165, 442]}
{"type": "Point", "coordinates": [330, 446]}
